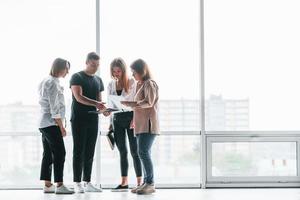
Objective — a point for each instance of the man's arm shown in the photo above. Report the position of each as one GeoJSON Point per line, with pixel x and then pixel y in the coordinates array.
{"type": "Point", "coordinates": [99, 98]}
{"type": "Point", "coordinates": [77, 92]}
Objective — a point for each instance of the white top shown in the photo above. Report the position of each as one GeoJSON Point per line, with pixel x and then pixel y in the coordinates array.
{"type": "Point", "coordinates": [129, 96]}
{"type": "Point", "coordinates": [52, 101]}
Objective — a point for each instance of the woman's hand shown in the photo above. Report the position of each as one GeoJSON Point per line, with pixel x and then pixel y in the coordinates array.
{"type": "Point", "coordinates": [106, 113]}
{"type": "Point", "coordinates": [110, 127]}
{"type": "Point", "coordinates": [63, 131]}
{"type": "Point", "coordinates": [124, 103]}
{"type": "Point", "coordinates": [131, 124]}
{"type": "Point", "coordinates": [129, 103]}
{"type": "Point", "coordinates": [61, 126]}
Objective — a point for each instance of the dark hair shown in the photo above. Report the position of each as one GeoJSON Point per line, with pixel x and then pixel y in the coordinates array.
{"type": "Point", "coordinates": [119, 62]}
{"type": "Point", "coordinates": [92, 56]}
{"type": "Point", "coordinates": [141, 68]}
{"type": "Point", "coordinates": [59, 65]}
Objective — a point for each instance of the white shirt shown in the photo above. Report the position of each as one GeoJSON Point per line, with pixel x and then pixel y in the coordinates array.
{"type": "Point", "coordinates": [52, 101]}
{"type": "Point", "coordinates": [128, 96]}
{"type": "Point", "coordinates": [111, 89]}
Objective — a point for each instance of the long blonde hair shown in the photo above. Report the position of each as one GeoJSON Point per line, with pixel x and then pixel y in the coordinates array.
{"type": "Point", "coordinates": [119, 62]}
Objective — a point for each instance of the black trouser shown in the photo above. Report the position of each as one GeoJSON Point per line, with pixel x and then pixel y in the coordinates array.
{"type": "Point", "coordinates": [54, 153]}
{"type": "Point", "coordinates": [121, 125]}
{"type": "Point", "coordinates": [84, 142]}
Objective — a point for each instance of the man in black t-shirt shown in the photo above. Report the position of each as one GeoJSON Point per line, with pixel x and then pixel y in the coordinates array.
{"type": "Point", "coordinates": [86, 96]}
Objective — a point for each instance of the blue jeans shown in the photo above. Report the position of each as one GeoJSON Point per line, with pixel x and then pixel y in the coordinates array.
{"type": "Point", "coordinates": [145, 141]}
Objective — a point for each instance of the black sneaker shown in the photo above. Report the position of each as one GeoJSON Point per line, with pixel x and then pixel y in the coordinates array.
{"type": "Point", "coordinates": [111, 139]}
{"type": "Point", "coordinates": [120, 188]}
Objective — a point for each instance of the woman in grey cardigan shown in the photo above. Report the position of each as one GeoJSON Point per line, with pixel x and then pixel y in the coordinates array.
{"type": "Point", "coordinates": [145, 120]}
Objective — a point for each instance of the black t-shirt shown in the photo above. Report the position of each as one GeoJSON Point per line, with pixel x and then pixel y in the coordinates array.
{"type": "Point", "coordinates": [119, 92]}
{"type": "Point", "coordinates": [91, 86]}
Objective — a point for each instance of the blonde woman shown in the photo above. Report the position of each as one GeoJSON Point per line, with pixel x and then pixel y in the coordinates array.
{"type": "Point", "coordinates": [123, 86]}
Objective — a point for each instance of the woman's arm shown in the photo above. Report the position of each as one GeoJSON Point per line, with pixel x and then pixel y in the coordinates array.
{"type": "Point", "coordinates": [131, 91]}
{"type": "Point", "coordinates": [61, 126]}
{"type": "Point", "coordinates": [53, 99]}
{"type": "Point", "coordinates": [55, 107]}
{"type": "Point", "coordinates": [150, 96]}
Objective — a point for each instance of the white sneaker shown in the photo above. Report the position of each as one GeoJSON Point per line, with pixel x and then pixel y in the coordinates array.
{"type": "Point", "coordinates": [50, 189]}
{"type": "Point", "coordinates": [78, 188]}
{"type": "Point", "coordinates": [63, 190]}
{"type": "Point", "coordinates": [90, 188]}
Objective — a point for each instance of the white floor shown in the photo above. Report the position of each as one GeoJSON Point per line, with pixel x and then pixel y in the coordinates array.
{"type": "Point", "coordinates": [163, 194]}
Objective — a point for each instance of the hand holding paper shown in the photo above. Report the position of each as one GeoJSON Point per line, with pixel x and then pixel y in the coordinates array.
{"type": "Point", "coordinates": [116, 101]}
{"type": "Point", "coordinates": [129, 103]}
{"type": "Point", "coordinates": [105, 112]}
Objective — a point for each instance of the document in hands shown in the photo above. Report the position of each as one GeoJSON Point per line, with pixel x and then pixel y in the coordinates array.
{"type": "Point", "coordinates": [116, 101]}
{"type": "Point", "coordinates": [129, 103]}
{"type": "Point", "coordinates": [102, 111]}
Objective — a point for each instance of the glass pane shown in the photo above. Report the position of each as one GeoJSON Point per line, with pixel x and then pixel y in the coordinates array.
{"type": "Point", "coordinates": [21, 161]}
{"type": "Point", "coordinates": [168, 41]}
{"type": "Point", "coordinates": [252, 64]}
{"type": "Point", "coordinates": [176, 161]}
{"type": "Point", "coordinates": [33, 34]}
{"type": "Point", "coordinates": [254, 159]}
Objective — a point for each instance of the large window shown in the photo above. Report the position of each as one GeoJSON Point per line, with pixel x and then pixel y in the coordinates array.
{"type": "Point", "coordinates": [251, 83]}
{"type": "Point", "coordinates": [252, 64]}
{"type": "Point", "coordinates": [33, 34]}
{"type": "Point", "coordinates": [164, 33]}
{"type": "Point", "coordinates": [251, 132]}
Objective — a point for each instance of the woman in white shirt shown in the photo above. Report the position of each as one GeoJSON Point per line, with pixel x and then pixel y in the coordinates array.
{"type": "Point", "coordinates": [121, 121]}
{"type": "Point", "coordinates": [52, 102]}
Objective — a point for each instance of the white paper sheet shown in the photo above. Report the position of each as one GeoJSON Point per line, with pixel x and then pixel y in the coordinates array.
{"type": "Point", "coordinates": [115, 102]}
